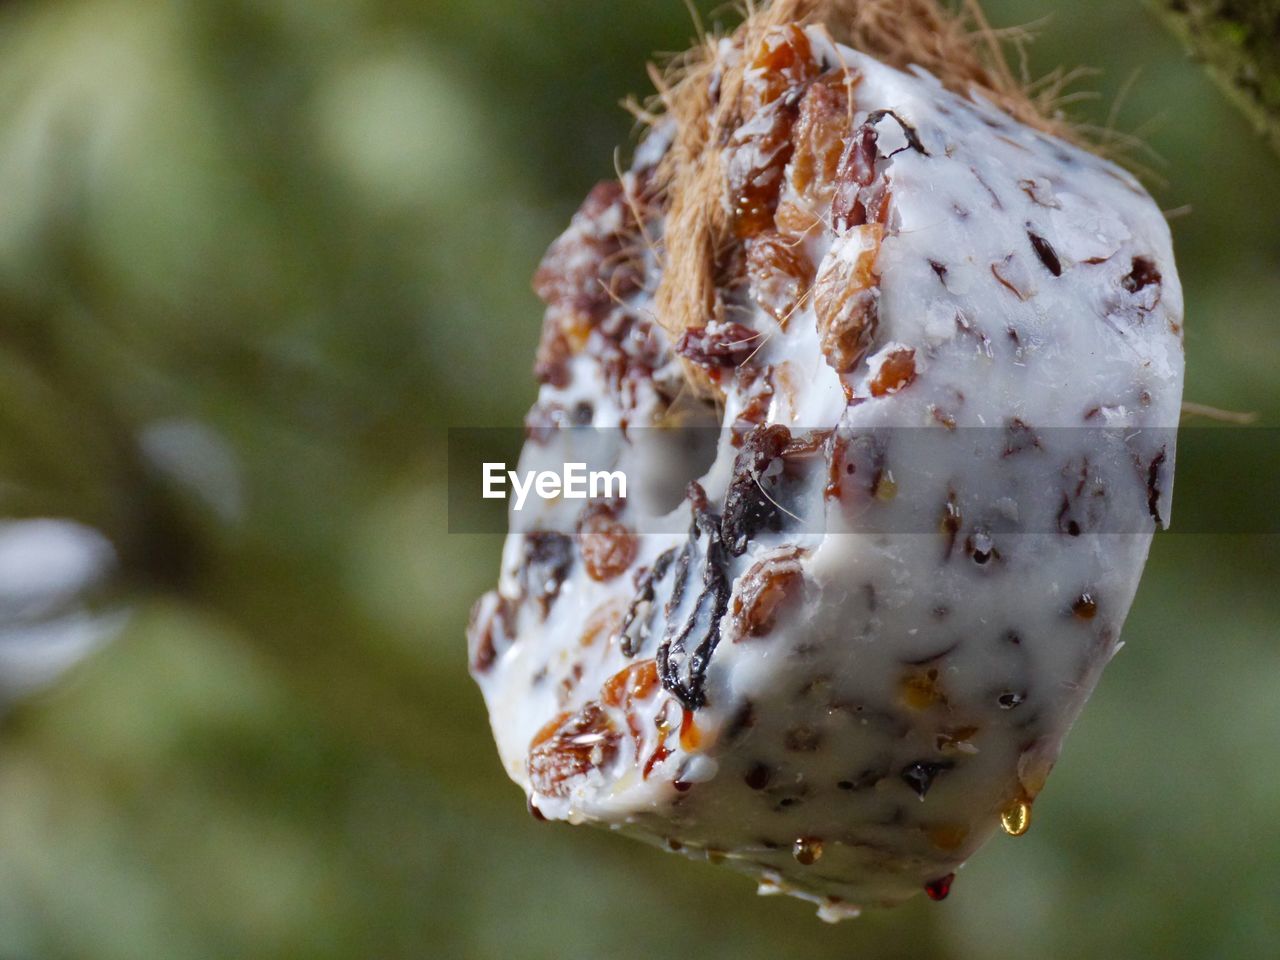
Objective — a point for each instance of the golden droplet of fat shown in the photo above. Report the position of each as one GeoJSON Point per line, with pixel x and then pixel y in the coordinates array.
{"type": "Point", "coordinates": [1016, 818]}
{"type": "Point", "coordinates": [807, 850]}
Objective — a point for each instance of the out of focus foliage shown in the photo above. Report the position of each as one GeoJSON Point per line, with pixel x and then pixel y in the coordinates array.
{"type": "Point", "coordinates": [255, 259]}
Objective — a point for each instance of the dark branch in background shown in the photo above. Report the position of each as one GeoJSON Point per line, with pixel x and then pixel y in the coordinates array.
{"type": "Point", "coordinates": [1238, 41]}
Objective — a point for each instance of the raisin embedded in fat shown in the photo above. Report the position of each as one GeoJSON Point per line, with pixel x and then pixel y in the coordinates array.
{"type": "Point", "coordinates": [758, 153]}
{"type": "Point", "coordinates": [635, 622]}
{"type": "Point", "coordinates": [571, 746]}
{"type": "Point", "coordinates": [627, 688]}
{"type": "Point", "coordinates": [761, 147]}
{"type": "Point", "coordinates": [779, 272]}
{"type": "Point", "coordinates": [855, 171]}
{"type": "Point", "coordinates": [758, 386]}
{"type": "Point", "coordinates": [717, 345]}
{"type": "Point", "coordinates": [782, 62]}
{"type": "Point", "coordinates": [683, 670]}
{"type": "Point", "coordinates": [845, 301]}
{"type": "Point", "coordinates": [490, 630]}
{"type": "Point", "coordinates": [764, 591]}
{"type": "Point", "coordinates": [608, 547]}
{"type": "Point", "coordinates": [551, 363]}
{"type": "Point", "coordinates": [897, 371]}
{"type": "Point", "coordinates": [544, 566]}
{"type": "Point", "coordinates": [636, 682]}
{"type": "Point", "coordinates": [821, 130]}
{"type": "Point", "coordinates": [748, 509]}
{"type": "Point", "coordinates": [586, 268]}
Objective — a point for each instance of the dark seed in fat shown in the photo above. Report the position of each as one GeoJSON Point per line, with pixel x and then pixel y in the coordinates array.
{"type": "Point", "coordinates": [758, 777]}
{"type": "Point", "coordinates": [920, 774]}
{"type": "Point", "coordinates": [1044, 250]}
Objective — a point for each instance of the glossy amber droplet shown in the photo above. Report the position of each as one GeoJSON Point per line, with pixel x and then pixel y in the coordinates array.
{"type": "Point", "coordinates": [807, 850]}
{"type": "Point", "coordinates": [690, 735]}
{"type": "Point", "coordinates": [938, 889]}
{"type": "Point", "coordinates": [1085, 607]}
{"type": "Point", "coordinates": [1016, 819]}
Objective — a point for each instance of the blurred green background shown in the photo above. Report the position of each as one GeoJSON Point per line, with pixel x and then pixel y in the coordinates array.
{"type": "Point", "coordinates": [287, 245]}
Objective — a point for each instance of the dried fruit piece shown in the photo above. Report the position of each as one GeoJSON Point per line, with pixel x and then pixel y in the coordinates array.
{"type": "Point", "coordinates": [607, 546]}
{"type": "Point", "coordinates": [761, 146]}
{"type": "Point", "coordinates": [821, 129]}
{"type": "Point", "coordinates": [551, 364]}
{"type": "Point", "coordinates": [587, 267]}
{"type": "Point", "coordinates": [490, 630]}
{"type": "Point", "coordinates": [693, 636]}
{"type": "Point", "coordinates": [630, 684]}
{"type": "Point", "coordinates": [717, 345]}
{"type": "Point", "coordinates": [545, 563]}
{"type": "Point", "coordinates": [783, 61]}
{"type": "Point", "coordinates": [893, 369]}
{"type": "Point", "coordinates": [846, 297]}
{"type": "Point", "coordinates": [764, 590]}
{"type": "Point", "coordinates": [779, 272]}
{"type": "Point", "coordinates": [749, 508]}
{"type": "Point", "coordinates": [571, 746]}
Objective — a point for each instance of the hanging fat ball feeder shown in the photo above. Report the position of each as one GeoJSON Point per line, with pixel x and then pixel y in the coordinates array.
{"type": "Point", "coordinates": [942, 344]}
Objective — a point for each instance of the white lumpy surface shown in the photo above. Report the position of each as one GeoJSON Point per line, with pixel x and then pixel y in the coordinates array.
{"type": "Point", "coordinates": [968, 540]}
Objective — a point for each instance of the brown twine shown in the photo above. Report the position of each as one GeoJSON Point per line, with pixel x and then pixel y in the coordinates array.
{"type": "Point", "coordinates": [959, 47]}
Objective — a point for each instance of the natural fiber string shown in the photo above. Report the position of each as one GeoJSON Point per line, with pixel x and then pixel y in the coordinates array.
{"type": "Point", "coordinates": [959, 47]}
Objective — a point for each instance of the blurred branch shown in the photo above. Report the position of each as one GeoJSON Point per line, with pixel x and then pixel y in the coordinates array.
{"type": "Point", "coordinates": [1238, 41]}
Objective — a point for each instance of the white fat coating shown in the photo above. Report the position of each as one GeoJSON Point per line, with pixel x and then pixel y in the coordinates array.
{"type": "Point", "coordinates": [841, 693]}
